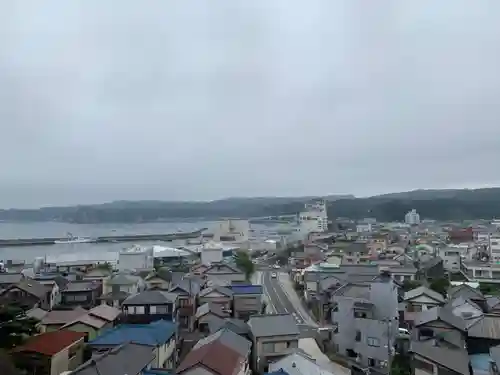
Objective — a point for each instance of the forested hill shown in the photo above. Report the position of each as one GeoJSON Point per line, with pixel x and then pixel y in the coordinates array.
{"type": "Point", "coordinates": [434, 204]}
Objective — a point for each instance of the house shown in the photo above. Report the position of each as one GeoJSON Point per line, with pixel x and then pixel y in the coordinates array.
{"type": "Point", "coordinates": [437, 355]}
{"type": "Point", "coordinates": [149, 306]}
{"type": "Point", "coordinates": [403, 273]}
{"type": "Point", "coordinates": [357, 252]}
{"type": "Point", "coordinates": [81, 293]}
{"type": "Point", "coordinates": [483, 334]}
{"type": "Point", "coordinates": [431, 269]}
{"type": "Point", "coordinates": [107, 313]}
{"type": "Point", "coordinates": [365, 318]}
{"type": "Point", "coordinates": [229, 339]}
{"type": "Point", "coordinates": [159, 279]}
{"type": "Point", "coordinates": [236, 325]}
{"type": "Point", "coordinates": [217, 294]}
{"type": "Point", "coordinates": [438, 320]}
{"type": "Point", "coordinates": [161, 335]}
{"type": "Point", "coordinates": [247, 300]}
{"type": "Point", "coordinates": [273, 336]}
{"type": "Point", "coordinates": [118, 287]}
{"type": "Point", "coordinates": [298, 363]}
{"type": "Point", "coordinates": [214, 358]}
{"type": "Point", "coordinates": [468, 292]}
{"type": "Point", "coordinates": [56, 319]}
{"type": "Point", "coordinates": [51, 353]}
{"type": "Point", "coordinates": [224, 272]}
{"type": "Point", "coordinates": [465, 309]}
{"type": "Point", "coordinates": [205, 312]}
{"type": "Point", "coordinates": [187, 290]}
{"type": "Point", "coordinates": [95, 321]}
{"type": "Point", "coordinates": [420, 299]}
{"type": "Point", "coordinates": [98, 274]}
{"type": "Point", "coordinates": [129, 358]}
{"type": "Point", "coordinates": [29, 293]}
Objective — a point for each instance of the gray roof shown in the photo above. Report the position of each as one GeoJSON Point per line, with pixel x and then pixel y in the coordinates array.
{"type": "Point", "coordinates": [449, 356]}
{"type": "Point", "coordinates": [124, 359]}
{"type": "Point", "coordinates": [273, 325]}
{"type": "Point", "coordinates": [464, 290]}
{"type": "Point", "coordinates": [81, 286]}
{"type": "Point", "coordinates": [32, 287]}
{"type": "Point", "coordinates": [220, 289]}
{"type": "Point", "coordinates": [151, 297]}
{"type": "Point", "coordinates": [236, 325]}
{"type": "Point", "coordinates": [123, 279]}
{"type": "Point", "coordinates": [213, 308]}
{"type": "Point", "coordinates": [36, 313]}
{"type": "Point", "coordinates": [61, 317]}
{"type": "Point", "coordinates": [186, 285]}
{"type": "Point", "coordinates": [361, 291]}
{"type": "Point", "coordinates": [495, 354]}
{"type": "Point", "coordinates": [424, 290]}
{"type": "Point", "coordinates": [10, 278]}
{"type": "Point", "coordinates": [492, 302]}
{"type": "Point", "coordinates": [229, 339]}
{"type": "Point", "coordinates": [444, 314]}
{"type": "Point", "coordinates": [487, 327]}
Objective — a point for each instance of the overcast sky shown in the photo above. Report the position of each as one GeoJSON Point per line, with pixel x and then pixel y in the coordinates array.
{"type": "Point", "coordinates": [197, 100]}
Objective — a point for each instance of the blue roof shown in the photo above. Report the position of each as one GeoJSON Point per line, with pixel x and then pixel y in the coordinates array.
{"type": "Point", "coordinates": [246, 289]}
{"type": "Point", "coordinates": [153, 334]}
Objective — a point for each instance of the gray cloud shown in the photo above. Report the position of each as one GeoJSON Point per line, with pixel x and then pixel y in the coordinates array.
{"type": "Point", "coordinates": [206, 99]}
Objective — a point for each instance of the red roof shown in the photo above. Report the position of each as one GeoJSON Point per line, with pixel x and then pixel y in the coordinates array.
{"type": "Point", "coordinates": [51, 343]}
{"type": "Point", "coordinates": [214, 356]}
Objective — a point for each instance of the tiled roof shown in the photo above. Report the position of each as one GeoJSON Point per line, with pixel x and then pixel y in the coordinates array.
{"type": "Point", "coordinates": [218, 289]}
{"type": "Point", "coordinates": [154, 334]}
{"type": "Point", "coordinates": [229, 339]}
{"type": "Point", "coordinates": [215, 356]}
{"type": "Point", "coordinates": [422, 290]}
{"type": "Point", "coordinates": [81, 286]}
{"type": "Point", "coordinates": [124, 359]}
{"type": "Point", "coordinates": [105, 312]}
{"type": "Point", "coordinates": [236, 325]}
{"type": "Point", "coordinates": [30, 286]}
{"type": "Point", "coordinates": [88, 321]}
{"type": "Point", "coordinates": [273, 325]}
{"type": "Point", "coordinates": [439, 313]}
{"type": "Point", "coordinates": [151, 297]}
{"type": "Point", "coordinates": [453, 358]}
{"type": "Point", "coordinates": [246, 289]}
{"type": "Point", "coordinates": [487, 327]}
{"type": "Point", "coordinates": [51, 343]}
{"type": "Point", "coordinates": [213, 308]}
{"type": "Point", "coordinates": [63, 316]}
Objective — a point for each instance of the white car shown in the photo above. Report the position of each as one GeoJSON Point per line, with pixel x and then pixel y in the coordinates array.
{"type": "Point", "coordinates": [276, 266]}
{"type": "Point", "coordinates": [274, 275]}
{"type": "Point", "coordinates": [403, 332]}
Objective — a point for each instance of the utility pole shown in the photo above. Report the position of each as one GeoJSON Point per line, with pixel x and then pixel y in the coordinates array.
{"type": "Point", "coordinates": [389, 346]}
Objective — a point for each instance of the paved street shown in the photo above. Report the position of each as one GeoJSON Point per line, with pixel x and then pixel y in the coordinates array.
{"type": "Point", "coordinates": [281, 304]}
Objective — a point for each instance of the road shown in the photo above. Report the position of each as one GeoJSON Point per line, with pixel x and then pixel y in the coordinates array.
{"type": "Point", "coordinates": [284, 300]}
{"type": "Point", "coordinates": [280, 303]}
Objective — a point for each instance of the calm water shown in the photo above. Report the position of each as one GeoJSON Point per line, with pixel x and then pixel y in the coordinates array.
{"type": "Point", "coordinates": [83, 251]}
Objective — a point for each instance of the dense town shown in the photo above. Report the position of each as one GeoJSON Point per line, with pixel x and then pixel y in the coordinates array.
{"type": "Point", "coordinates": [320, 296]}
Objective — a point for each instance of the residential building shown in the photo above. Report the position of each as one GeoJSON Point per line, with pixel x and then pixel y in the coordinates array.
{"type": "Point", "coordinates": [439, 355]}
{"type": "Point", "coordinates": [402, 273]}
{"type": "Point", "coordinates": [51, 353]}
{"type": "Point", "coordinates": [467, 292]}
{"type": "Point", "coordinates": [29, 293]}
{"type": "Point", "coordinates": [439, 320]}
{"type": "Point", "coordinates": [217, 294]}
{"type": "Point", "coordinates": [298, 363]}
{"type": "Point", "coordinates": [214, 358]}
{"type": "Point", "coordinates": [187, 290]}
{"type": "Point", "coordinates": [98, 274]}
{"type": "Point", "coordinates": [128, 358]}
{"type": "Point", "coordinates": [7, 279]}
{"type": "Point", "coordinates": [420, 299]}
{"type": "Point", "coordinates": [81, 293]}
{"type": "Point", "coordinates": [237, 326]}
{"type": "Point", "coordinates": [161, 335]}
{"type": "Point", "coordinates": [481, 271]}
{"type": "Point", "coordinates": [160, 279]}
{"type": "Point", "coordinates": [273, 336]}
{"type": "Point", "coordinates": [412, 217]}
{"type": "Point", "coordinates": [365, 317]}
{"type": "Point", "coordinates": [224, 272]}
{"type": "Point", "coordinates": [231, 340]}
{"type": "Point", "coordinates": [451, 258]}
{"type": "Point", "coordinates": [55, 319]}
{"type": "Point", "coordinates": [206, 312]}
{"type": "Point", "coordinates": [149, 306]}
{"type": "Point", "coordinates": [356, 253]}
{"type": "Point", "coordinates": [247, 300]}
{"type": "Point", "coordinates": [95, 322]}
{"type": "Point", "coordinates": [211, 252]}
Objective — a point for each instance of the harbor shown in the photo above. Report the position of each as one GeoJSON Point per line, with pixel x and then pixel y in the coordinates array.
{"type": "Point", "coordinates": [102, 239]}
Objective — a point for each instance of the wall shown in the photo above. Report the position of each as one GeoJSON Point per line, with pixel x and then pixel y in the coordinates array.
{"type": "Point", "coordinates": [209, 256]}
{"type": "Point", "coordinates": [80, 327]}
{"type": "Point", "coordinates": [247, 303]}
{"type": "Point", "coordinates": [165, 352]}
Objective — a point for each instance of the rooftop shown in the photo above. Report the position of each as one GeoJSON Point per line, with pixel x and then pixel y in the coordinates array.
{"type": "Point", "coordinates": [153, 334]}
{"type": "Point", "coordinates": [151, 297]}
{"type": "Point", "coordinates": [51, 343]}
{"type": "Point", "coordinates": [273, 325]}
{"type": "Point", "coordinates": [246, 289]}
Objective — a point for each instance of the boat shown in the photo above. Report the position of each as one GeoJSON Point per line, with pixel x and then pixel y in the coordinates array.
{"type": "Point", "coordinates": [72, 239]}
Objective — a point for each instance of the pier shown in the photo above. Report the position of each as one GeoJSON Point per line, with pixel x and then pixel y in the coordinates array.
{"type": "Point", "coordinates": [104, 239]}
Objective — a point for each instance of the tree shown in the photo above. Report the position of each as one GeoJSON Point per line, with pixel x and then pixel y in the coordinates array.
{"type": "Point", "coordinates": [411, 284]}
{"type": "Point", "coordinates": [244, 263]}
{"type": "Point", "coordinates": [104, 266]}
{"type": "Point", "coordinates": [15, 326]}
{"type": "Point", "coordinates": [400, 365]}
{"type": "Point", "coordinates": [440, 286]}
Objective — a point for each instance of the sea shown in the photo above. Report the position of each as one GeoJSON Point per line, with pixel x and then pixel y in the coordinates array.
{"type": "Point", "coordinates": [83, 251]}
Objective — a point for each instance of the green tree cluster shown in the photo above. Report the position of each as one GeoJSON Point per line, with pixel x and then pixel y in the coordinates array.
{"type": "Point", "coordinates": [244, 263]}
{"type": "Point", "coordinates": [15, 326]}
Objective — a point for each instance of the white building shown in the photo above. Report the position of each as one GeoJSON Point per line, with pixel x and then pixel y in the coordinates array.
{"type": "Point", "coordinates": [412, 217]}
{"type": "Point", "coordinates": [364, 228]}
{"type": "Point", "coordinates": [451, 256]}
{"type": "Point", "coordinates": [211, 252]}
{"type": "Point", "coordinates": [136, 258]}
{"type": "Point", "coordinates": [314, 218]}
{"type": "Point", "coordinates": [232, 230]}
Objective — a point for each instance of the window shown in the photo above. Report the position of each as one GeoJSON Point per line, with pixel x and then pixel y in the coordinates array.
{"type": "Point", "coordinates": [373, 341]}
{"type": "Point", "coordinates": [358, 336]}
{"type": "Point", "coordinates": [152, 309]}
{"type": "Point", "coordinates": [139, 309]}
{"type": "Point", "coordinates": [335, 308]}
{"type": "Point", "coordinates": [371, 362]}
{"type": "Point", "coordinates": [268, 347]}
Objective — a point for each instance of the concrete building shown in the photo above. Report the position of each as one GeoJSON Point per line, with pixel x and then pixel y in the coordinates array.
{"type": "Point", "coordinates": [232, 230]}
{"type": "Point", "coordinates": [365, 317]}
{"type": "Point", "coordinates": [451, 258]}
{"type": "Point", "coordinates": [136, 258]}
{"type": "Point", "coordinates": [314, 218]}
{"type": "Point", "coordinates": [412, 218]}
{"type": "Point", "coordinates": [211, 252]}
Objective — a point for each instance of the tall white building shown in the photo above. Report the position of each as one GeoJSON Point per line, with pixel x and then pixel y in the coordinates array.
{"type": "Point", "coordinates": [232, 230]}
{"type": "Point", "coordinates": [314, 218]}
{"type": "Point", "coordinates": [412, 217]}
{"type": "Point", "coordinates": [136, 258]}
